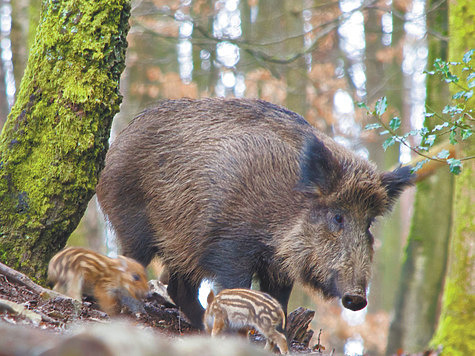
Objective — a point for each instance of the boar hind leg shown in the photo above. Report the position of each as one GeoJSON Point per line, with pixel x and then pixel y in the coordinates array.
{"type": "Point", "coordinates": [185, 296]}
{"type": "Point", "coordinates": [135, 234]}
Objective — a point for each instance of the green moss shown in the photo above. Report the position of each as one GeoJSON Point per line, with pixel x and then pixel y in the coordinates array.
{"type": "Point", "coordinates": [457, 323]}
{"type": "Point", "coordinates": [462, 33]}
{"type": "Point", "coordinates": [456, 330]}
{"type": "Point", "coordinates": [54, 142]}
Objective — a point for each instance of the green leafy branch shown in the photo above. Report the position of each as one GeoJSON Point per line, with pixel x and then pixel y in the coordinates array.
{"type": "Point", "coordinates": [455, 121]}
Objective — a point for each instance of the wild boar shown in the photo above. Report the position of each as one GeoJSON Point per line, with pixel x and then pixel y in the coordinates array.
{"type": "Point", "coordinates": [114, 282]}
{"type": "Point", "coordinates": [226, 189]}
{"type": "Point", "coordinates": [235, 309]}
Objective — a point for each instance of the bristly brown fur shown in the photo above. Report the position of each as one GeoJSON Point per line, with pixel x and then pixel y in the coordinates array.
{"type": "Point", "coordinates": [230, 188]}
{"type": "Point", "coordinates": [114, 282]}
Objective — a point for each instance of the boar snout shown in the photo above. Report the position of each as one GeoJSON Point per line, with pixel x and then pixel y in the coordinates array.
{"type": "Point", "coordinates": [353, 301]}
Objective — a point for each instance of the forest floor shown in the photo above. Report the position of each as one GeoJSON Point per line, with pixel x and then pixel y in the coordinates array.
{"type": "Point", "coordinates": [31, 306]}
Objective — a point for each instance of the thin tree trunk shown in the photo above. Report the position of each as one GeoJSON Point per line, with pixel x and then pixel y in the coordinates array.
{"type": "Point", "coordinates": [423, 267]}
{"type": "Point", "coordinates": [54, 142]}
{"type": "Point", "coordinates": [295, 73]}
{"type": "Point", "coordinates": [384, 78]}
{"type": "Point", "coordinates": [25, 17]}
{"type": "Point", "coordinates": [4, 108]}
{"type": "Point", "coordinates": [425, 257]}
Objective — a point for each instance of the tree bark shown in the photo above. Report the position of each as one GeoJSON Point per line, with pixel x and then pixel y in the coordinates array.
{"type": "Point", "coordinates": [385, 78]}
{"type": "Point", "coordinates": [423, 267]}
{"type": "Point", "coordinates": [456, 328]}
{"type": "Point", "coordinates": [53, 145]}
{"type": "Point", "coordinates": [425, 257]}
{"type": "Point", "coordinates": [295, 73]}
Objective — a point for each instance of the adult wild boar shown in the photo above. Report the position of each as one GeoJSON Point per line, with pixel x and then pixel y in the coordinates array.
{"type": "Point", "coordinates": [228, 189]}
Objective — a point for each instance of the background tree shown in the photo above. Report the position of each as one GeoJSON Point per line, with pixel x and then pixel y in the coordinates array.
{"type": "Point", "coordinates": [424, 263]}
{"type": "Point", "coordinates": [388, 258]}
{"type": "Point", "coordinates": [456, 327]}
{"type": "Point", "coordinates": [53, 144]}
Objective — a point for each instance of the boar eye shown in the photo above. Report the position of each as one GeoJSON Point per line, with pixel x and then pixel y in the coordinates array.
{"type": "Point", "coordinates": [338, 219]}
{"type": "Point", "coordinates": [136, 277]}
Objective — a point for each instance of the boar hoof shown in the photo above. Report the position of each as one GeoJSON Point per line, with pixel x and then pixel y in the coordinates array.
{"type": "Point", "coordinates": [353, 302]}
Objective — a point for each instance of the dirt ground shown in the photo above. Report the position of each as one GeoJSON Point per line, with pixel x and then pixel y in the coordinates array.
{"type": "Point", "coordinates": [41, 311]}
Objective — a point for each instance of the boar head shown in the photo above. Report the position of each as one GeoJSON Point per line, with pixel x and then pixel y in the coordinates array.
{"type": "Point", "coordinates": [330, 246]}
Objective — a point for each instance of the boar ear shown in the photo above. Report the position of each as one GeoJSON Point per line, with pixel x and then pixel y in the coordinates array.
{"type": "Point", "coordinates": [317, 167]}
{"type": "Point", "coordinates": [396, 181]}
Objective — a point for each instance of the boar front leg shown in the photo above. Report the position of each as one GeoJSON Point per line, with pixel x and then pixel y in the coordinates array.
{"type": "Point", "coordinates": [185, 295]}
{"type": "Point", "coordinates": [230, 263]}
{"type": "Point", "coordinates": [277, 288]}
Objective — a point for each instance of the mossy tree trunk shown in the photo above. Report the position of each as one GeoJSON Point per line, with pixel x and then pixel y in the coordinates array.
{"type": "Point", "coordinates": [53, 144]}
{"type": "Point", "coordinates": [425, 255]}
{"type": "Point", "coordinates": [456, 328]}
{"type": "Point", "coordinates": [423, 266]}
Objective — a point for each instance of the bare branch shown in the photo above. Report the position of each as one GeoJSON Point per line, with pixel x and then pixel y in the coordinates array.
{"type": "Point", "coordinates": [324, 29]}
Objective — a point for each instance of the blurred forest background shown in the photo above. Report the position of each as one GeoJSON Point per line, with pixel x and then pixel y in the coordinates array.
{"type": "Point", "coordinates": [318, 58]}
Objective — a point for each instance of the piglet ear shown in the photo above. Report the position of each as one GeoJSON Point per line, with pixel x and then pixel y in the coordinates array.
{"type": "Point", "coordinates": [123, 263]}
{"type": "Point", "coordinates": [210, 297]}
{"type": "Point", "coordinates": [318, 168]}
{"type": "Point", "coordinates": [396, 181]}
